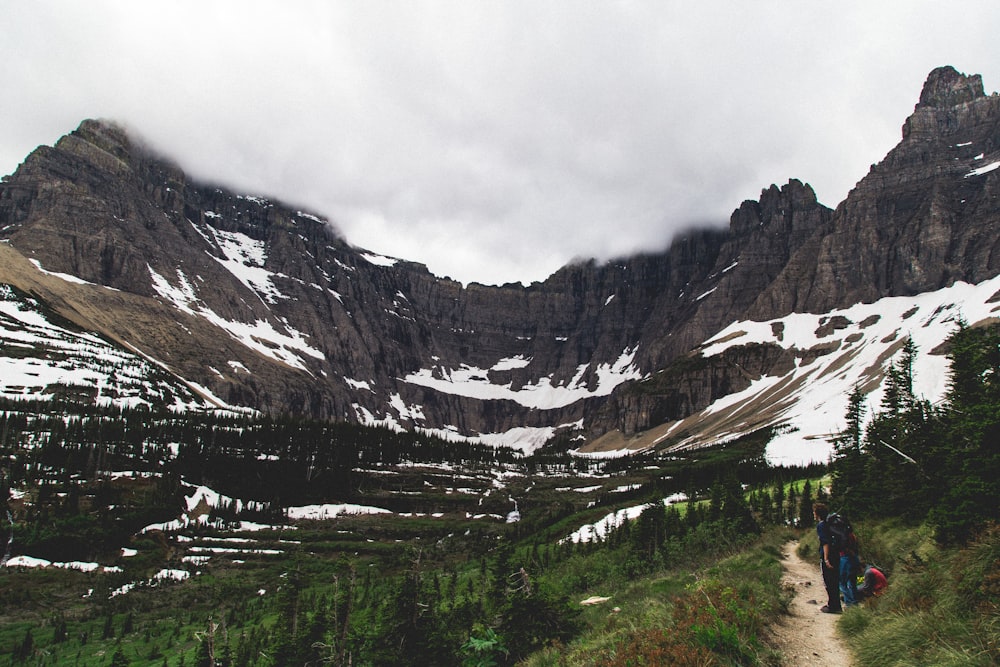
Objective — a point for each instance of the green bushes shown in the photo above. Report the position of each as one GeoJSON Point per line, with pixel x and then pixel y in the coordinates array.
{"type": "Point", "coordinates": [529, 622]}
{"type": "Point", "coordinates": [484, 648]}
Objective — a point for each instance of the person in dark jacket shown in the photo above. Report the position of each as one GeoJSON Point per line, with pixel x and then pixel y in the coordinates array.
{"type": "Point", "coordinates": [829, 560]}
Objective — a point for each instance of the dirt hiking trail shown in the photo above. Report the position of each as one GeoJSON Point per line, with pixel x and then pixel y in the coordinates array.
{"type": "Point", "coordinates": [806, 636]}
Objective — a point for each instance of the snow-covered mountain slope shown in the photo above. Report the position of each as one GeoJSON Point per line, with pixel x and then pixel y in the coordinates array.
{"type": "Point", "coordinates": [832, 353]}
{"type": "Point", "coordinates": [43, 359]}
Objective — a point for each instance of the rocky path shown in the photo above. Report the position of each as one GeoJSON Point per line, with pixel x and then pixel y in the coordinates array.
{"type": "Point", "coordinates": [807, 636]}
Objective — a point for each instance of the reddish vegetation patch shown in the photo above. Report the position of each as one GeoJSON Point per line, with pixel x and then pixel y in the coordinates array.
{"type": "Point", "coordinates": [711, 627]}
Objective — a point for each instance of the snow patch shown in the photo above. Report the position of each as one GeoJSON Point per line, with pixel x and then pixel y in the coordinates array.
{"type": "Point", "coordinates": [62, 276]}
{"type": "Point", "coordinates": [983, 170]}
{"type": "Point", "coordinates": [511, 363]}
{"type": "Point", "coordinates": [544, 394]}
{"type": "Point", "coordinates": [244, 257]}
{"type": "Point", "coordinates": [600, 529]}
{"type": "Point", "coordinates": [379, 260]}
{"type": "Point", "coordinates": [331, 511]}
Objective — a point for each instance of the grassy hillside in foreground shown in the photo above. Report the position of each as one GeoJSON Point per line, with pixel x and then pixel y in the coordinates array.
{"type": "Point", "coordinates": [710, 611]}
{"type": "Point", "coordinates": [942, 606]}
{"type": "Point", "coordinates": [386, 589]}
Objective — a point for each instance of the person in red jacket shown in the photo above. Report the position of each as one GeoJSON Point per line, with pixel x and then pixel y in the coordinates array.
{"type": "Point", "coordinates": [875, 582]}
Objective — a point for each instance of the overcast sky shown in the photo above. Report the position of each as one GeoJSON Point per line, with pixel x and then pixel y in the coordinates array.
{"type": "Point", "coordinates": [493, 140]}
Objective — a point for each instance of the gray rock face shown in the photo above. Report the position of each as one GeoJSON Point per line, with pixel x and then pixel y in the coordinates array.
{"type": "Point", "coordinates": [267, 306]}
{"type": "Point", "coordinates": [923, 218]}
{"type": "Point", "coordinates": [945, 87]}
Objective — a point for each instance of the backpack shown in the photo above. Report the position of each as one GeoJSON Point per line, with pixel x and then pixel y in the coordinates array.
{"type": "Point", "coordinates": [843, 535]}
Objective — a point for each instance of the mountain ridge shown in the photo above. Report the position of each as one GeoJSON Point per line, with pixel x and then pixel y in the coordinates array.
{"type": "Point", "coordinates": [267, 306]}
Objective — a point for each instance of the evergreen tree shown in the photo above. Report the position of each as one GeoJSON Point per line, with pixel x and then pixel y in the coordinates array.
{"type": "Point", "coordinates": [649, 531]}
{"type": "Point", "coordinates": [891, 472]}
{"type": "Point", "coordinates": [792, 507]}
{"type": "Point", "coordinates": [530, 621]}
{"type": "Point", "coordinates": [673, 525]}
{"type": "Point", "coordinates": [973, 424]}
{"type": "Point", "coordinates": [26, 648]}
{"type": "Point", "coordinates": [59, 630]}
{"type": "Point", "coordinates": [285, 642]}
{"type": "Point", "coordinates": [408, 624]}
{"type": "Point", "coordinates": [203, 656]}
{"type": "Point", "coordinates": [766, 507]}
{"type": "Point", "coordinates": [109, 629]}
{"type": "Point", "coordinates": [848, 466]}
{"type": "Point", "coordinates": [119, 659]}
{"type": "Point", "coordinates": [779, 502]}
{"type": "Point", "coordinates": [805, 505]}
{"type": "Point", "coordinates": [244, 651]}
{"type": "Point", "coordinates": [735, 508]}
{"type": "Point", "coordinates": [715, 500]}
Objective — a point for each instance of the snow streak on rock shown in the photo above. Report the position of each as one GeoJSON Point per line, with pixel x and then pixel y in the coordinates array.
{"type": "Point", "coordinates": [260, 336]}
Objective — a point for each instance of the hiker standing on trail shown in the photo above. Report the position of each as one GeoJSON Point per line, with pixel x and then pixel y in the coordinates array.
{"type": "Point", "coordinates": [829, 560]}
{"type": "Point", "coordinates": [845, 543]}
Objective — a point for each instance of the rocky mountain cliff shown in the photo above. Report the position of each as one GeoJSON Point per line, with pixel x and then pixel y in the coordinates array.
{"type": "Point", "coordinates": [255, 303]}
{"type": "Point", "coordinates": [923, 218]}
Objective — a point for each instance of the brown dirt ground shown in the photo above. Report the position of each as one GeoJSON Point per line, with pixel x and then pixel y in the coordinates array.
{"type": "Point", "coordinates": [806, 636]}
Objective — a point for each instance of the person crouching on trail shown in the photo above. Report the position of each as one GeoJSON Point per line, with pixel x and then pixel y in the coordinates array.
{"type": "Point", "coordinates": [875, 582]}
{"type": "Point", "coordinates": [829, 560]}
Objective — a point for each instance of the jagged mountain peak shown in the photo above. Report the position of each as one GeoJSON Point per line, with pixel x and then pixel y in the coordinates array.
{"type": "Point", "coordinates": [947, 87]}
{"type": "Point", "coordinates": [108, 135]}
{"type": "Point", "coordinates": [774, 202]}
{"type": "Point", "coordinates": [953, 107]}
{"type": "Point", "coordinates": [794, 191]}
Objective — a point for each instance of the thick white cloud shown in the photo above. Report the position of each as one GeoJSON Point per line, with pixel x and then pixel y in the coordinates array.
{"type": "Point", "coordinates": [493, 141]}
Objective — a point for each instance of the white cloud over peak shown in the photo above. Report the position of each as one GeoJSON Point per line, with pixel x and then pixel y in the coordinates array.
{"type": "Point", "coordinates": [493, 141]}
